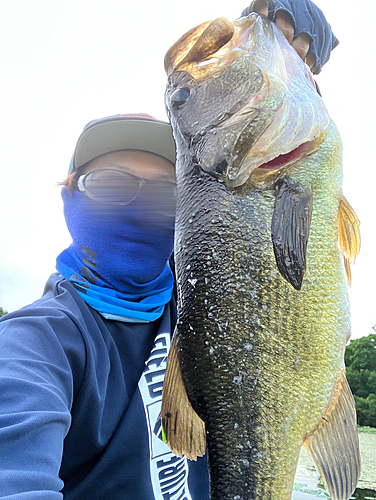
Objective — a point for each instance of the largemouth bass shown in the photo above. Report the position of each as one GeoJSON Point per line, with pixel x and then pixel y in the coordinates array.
{"type": "Point", "coordinates": [264, 242]}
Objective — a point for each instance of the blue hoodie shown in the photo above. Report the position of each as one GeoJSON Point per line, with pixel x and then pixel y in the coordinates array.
{"type": "Point", "coordinates": [80, 397]}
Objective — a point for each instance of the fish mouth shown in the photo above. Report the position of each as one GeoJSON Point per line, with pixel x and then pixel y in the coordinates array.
{"type": "Point", "coordinates": [286, 159]}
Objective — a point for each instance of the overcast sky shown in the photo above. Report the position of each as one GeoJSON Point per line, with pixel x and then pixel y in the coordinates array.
{"type": "Point", "coordinates": [66, 62]}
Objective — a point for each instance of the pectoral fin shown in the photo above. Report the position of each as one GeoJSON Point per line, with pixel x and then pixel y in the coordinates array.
{"type": "Point", "coordinates": [290, 230]}
{"type": "Point", "coordinates": [334, 444]}
{"type": "Point", "coordinates": [348, 234]}
{"type": "Point", "coordinates": [183, 428]}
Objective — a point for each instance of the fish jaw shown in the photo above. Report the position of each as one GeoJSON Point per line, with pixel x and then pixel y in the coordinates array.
{"type": "Point", "coordinates": [268, 102]}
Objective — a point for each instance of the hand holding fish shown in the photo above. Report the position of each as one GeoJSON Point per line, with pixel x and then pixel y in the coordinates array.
{"type": "Point", "coordinates": [304, 26]}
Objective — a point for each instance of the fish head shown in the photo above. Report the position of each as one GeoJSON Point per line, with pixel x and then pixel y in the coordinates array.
{"type": "Point", "coordinates": [239, 98]}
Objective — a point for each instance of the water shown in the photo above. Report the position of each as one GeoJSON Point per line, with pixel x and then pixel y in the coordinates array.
{"type": "Point", "coordinates": [308, 487]}
{"type": "Point", "coordinates": [307, 493]}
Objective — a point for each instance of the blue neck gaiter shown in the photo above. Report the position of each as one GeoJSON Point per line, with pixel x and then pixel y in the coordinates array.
{"type": "Point", "coordinates": [118, 260]}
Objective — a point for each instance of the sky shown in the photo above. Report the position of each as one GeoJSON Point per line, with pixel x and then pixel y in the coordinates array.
{"type": "Point", "coordinates": [66, 62]}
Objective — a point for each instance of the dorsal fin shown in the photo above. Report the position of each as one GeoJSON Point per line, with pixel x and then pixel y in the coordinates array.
{"type": "Point", "coordinates": [348, 234]}
{"type": "Point", "coordinates": [334, 444]}
{"type": "Point", "coordinates": [184, 430]}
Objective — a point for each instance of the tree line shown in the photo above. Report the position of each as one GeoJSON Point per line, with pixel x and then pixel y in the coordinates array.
{"type": "Point", "coordinates": [360, 360]}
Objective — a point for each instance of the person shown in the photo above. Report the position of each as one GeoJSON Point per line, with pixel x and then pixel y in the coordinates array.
{"type": "Point", "coordinates": [81, 368]}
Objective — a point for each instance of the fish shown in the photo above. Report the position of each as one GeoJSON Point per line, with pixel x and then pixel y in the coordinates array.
{"type": "Point", "coordinates": [264, 244]}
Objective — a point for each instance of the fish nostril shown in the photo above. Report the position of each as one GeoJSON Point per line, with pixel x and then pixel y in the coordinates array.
{"type": "Point", "coordinates": [221, 167]}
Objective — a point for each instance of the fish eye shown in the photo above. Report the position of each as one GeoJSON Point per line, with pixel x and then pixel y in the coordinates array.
{"type": "Point", "coordinates": [179, 97]}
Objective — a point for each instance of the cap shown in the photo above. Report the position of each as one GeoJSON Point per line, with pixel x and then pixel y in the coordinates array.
{"type": "Point", "coordinates": [113, 133]}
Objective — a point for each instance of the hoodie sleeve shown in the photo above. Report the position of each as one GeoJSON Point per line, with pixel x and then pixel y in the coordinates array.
{"type": "Point", "coordinates": [36, 387]}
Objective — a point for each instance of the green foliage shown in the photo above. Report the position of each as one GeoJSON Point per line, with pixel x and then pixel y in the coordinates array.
{"type": "Point", "coordinates": [2, 312]}
{"type": "Point", "coordinates": [360, 359]}
{"type": "Point", "coordinates": [366, 410]}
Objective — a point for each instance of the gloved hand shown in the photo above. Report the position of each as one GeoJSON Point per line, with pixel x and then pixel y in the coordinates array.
{"type": "Point", "coordinates": [304, 26]}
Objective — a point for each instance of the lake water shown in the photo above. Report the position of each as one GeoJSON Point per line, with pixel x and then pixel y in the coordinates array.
{"type": "Point", "coordinates": [307, 487]}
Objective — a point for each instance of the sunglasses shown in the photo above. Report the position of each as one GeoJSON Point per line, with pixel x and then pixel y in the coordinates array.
{"type": "Point", "coordinates": [117, 187]}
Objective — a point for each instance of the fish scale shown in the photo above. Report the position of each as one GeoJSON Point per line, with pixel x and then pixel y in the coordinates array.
{"type": "Point", "coordinates": [265, 369]}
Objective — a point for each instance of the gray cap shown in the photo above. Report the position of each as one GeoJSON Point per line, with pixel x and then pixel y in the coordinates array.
{"type": "Point", "coordinates": [113, 133]}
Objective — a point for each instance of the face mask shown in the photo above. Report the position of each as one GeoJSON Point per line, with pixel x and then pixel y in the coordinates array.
{"type": "Point", "coordinates": [124, 246]}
